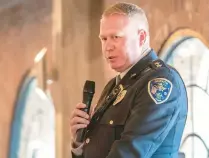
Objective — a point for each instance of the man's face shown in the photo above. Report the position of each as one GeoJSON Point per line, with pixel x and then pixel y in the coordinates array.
{"type": "Point", "coordinates": [120, 41]}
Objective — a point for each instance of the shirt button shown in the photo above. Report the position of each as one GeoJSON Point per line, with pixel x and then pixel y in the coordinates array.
{"type": "Point", "coordinates": [87, 141]}
{"type": "Point", "coordinates": [111, 122]}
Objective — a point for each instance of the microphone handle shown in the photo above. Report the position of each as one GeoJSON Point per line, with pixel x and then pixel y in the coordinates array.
{"type": "Point", "coordinates": [87, 98]}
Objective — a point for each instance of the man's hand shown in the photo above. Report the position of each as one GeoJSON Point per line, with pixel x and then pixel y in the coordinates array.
{"type": "Point", "coordinates": [79, 119]}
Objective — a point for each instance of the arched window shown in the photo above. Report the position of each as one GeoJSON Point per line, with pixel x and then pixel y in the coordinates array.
{"type": "Point", "coordinates": [33, 124]}
{"type": "Point", "coordinates": [188, 52]}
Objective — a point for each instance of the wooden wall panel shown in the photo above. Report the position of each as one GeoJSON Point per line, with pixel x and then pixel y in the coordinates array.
{"type": "Point", "coordinates": [25, 29]}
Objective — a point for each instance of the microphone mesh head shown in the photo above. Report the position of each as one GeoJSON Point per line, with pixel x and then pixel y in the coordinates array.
{"type": "Point", "coordinates": [89, 87]}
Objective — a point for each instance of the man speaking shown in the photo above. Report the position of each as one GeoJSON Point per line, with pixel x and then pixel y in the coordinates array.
{"type": "Point", "coordinates": [141, 112]}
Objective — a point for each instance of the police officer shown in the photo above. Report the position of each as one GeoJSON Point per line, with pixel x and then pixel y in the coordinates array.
{"type": "Point", "coordinates": [141, 112]}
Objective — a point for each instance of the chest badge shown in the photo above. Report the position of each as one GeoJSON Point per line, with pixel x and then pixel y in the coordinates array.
{"type": "Point", "coordinates": [159, 89]}
{"type": "Point", "coordinates": [120, 96]}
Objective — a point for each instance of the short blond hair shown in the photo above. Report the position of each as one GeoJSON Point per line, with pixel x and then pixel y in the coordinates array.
{"type": "Point", "coordinates": [130, 10]}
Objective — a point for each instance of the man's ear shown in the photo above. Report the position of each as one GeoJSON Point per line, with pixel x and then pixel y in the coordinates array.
{"type": "Point", "coordinates": [142, 37]}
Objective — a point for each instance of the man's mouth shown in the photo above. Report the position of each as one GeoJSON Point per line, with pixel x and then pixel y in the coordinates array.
{"type": "Point", "coordinates": [111, 57]}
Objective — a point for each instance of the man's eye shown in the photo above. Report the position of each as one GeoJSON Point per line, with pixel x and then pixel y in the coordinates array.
{"type": "Point", "coordinates": [116, 37]}
{"type": "Point", "coordinates": [103, 39]}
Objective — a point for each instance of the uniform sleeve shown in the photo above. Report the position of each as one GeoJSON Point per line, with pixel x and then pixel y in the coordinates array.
{"type": "Point", "coordinates": [77, 150]}
{"type": "Point", "coordinates": [147, 126]}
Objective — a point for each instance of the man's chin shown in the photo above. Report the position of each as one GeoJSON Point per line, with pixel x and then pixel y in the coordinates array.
{"type": "Point", "coordinates": [116, 68]}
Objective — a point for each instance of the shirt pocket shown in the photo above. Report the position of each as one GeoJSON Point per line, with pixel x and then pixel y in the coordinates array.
{"type": "Point", "coordinates": [115, 118]}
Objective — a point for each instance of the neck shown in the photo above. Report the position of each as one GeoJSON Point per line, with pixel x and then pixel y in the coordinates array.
{"type": "Point", "coordinates": [145, 50]}
{"type": "Point", "coordinates": [144, 53]}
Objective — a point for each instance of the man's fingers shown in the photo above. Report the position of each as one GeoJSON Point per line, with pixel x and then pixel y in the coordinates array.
{"type": "Point", "coordinates": [77, 127]}
{"type": "Point", "coordinates": [80, 113]}
{"type": "Point", "coordinates": [80, 106]}
{"type": "Point", "coordinates": [79, 120]}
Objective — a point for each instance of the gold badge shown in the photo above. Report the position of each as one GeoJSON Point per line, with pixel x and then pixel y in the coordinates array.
{"type": "Point", "coordinates": [120, 96]}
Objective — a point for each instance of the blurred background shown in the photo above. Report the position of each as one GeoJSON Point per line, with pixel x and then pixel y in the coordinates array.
{"type": "Point", "coordinates": [49, 48]}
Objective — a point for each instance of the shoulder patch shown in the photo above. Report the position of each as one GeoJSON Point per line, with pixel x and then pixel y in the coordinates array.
{"type": "Point", "coordinates": [159, 89]}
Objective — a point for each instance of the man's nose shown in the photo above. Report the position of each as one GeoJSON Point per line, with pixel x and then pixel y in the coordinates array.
{"type": "Point", "coordinates": [109, 46]}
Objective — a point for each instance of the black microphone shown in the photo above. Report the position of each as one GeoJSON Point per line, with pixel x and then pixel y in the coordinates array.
{"type": "Point", "coordinates": [88, 93]}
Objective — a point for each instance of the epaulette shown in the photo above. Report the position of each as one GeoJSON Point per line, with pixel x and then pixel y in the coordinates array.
{"type": "Point", "coordinates": [156, 64]}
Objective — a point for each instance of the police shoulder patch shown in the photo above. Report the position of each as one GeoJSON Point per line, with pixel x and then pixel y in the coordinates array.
{"type": "Point", "coordinates": [159, 89]}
